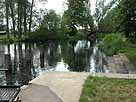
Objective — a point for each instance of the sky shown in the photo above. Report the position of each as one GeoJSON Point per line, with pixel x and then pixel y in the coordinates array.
{"type": "Point", "coordinates": [59, 5]}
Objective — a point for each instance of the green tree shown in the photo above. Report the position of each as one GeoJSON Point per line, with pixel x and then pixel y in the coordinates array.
{"type": "Point", "coordinates": [127, 17]}
{"type": "Point", "coordinates": [110, 22]}
{"type": "Point", "coordinates": [101, 11]}
{"type": "Point", "coordinates": [50, 23]}
{"type": "Point", "coordinates": [77, 16]}
{"type": "Point", "coordinates": [1, 15]}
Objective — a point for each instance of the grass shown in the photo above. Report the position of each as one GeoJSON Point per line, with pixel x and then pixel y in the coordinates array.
{"type": "Point", "coordinates": [130, 50]}
{"type": "Point", "coordinates": [108, 90]}
{"type": "Point", "coordinates": [3, 37]}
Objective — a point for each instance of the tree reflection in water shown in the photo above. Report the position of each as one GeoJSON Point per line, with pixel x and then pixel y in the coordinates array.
{"type": "Point", "coordinates": [26, 61]}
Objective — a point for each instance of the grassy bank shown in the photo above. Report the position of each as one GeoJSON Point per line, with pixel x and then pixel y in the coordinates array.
{"type": "Point", "coordinates": [4, 38]}
{"type": "Point", "coordinates": [108, 90]}
{"type": "Point", "coordinates": [116, 43]}
{"type": "Point", "coordinates": [130, 50]}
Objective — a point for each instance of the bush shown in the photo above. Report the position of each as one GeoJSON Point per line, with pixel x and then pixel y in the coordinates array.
{"type": "Point", "coordinates": [41, 36]}
{"type": "Point", "coordinates": [113, 43]}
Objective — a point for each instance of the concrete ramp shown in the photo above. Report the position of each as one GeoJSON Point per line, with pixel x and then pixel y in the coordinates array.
{"type": "Point", "coordinates": [38, 93]}
{"type": "Point", "coordinates": [66, 85]}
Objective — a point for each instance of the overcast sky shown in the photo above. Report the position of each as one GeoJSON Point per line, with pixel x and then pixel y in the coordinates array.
{"type": "Point", "coordinates": [59, 5]}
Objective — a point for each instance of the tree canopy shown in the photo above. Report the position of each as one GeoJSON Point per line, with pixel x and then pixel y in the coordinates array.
{"type": "Point", "coordinates": [78, 15]}
{"type": "Point", "coordinates": [20, 18]}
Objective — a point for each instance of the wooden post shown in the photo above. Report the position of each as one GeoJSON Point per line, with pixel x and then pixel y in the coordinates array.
{"type": "Point", "coordinates": [8, 64]}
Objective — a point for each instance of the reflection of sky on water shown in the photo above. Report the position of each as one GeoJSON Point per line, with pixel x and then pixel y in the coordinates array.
{"type": "Point", "coordinates": [93, 62]}
{"type": "Point", "coordinates": [81, 45]}
{"type": "Point", "coordinates": [61, 66]}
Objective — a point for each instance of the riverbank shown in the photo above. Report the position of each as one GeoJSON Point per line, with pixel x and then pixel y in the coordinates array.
{"type": "Point", "coordinates": [120, 64]}
{"type": "Point", "coordinates": [40, 37]}
{"type": "Point", "coordinates": [12, 39]}
{"type": "Point", "coordinates": [102, 89]}
{"type": "Point", "coordinates": [130, 50]}
{"type": "Point", "coordinates": [116, 43]}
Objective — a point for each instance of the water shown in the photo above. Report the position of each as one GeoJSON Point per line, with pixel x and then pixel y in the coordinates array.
{"type": "Point", "coordinates": [26, 61]}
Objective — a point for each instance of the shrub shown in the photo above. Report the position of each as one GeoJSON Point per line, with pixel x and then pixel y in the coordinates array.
{"type": "Point", "coordinates": [113, 43]}
{"type": "Point", "coordinates": [40, 36]}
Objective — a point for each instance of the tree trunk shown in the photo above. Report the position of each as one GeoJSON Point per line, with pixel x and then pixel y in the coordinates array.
{"type": "Point", "coordinates": [13, 17]}
{"type": "Point", "coordinates": [7, 17]}
{"type": "Point", "coordinates": [31, 14]}
{"type": "Point", "coordinates": [25, 24]}
{"type": "Point", "coordinates": [18, 19]}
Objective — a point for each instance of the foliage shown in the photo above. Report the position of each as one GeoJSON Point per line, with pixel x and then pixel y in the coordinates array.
{"type": "Point", "coordinates": [1, 15]}
{"type": "Point", "coordinates": [110, 22]}
{"type": "Point", "coordinates": [77, 16]}
{"type": "Point", "coordinates": [108, 90]}
{"type": "Point", "coordinates": [129, 49]}
{"type": "Point", "coordinates": [18, 15]}
{"type": "Point", "coordinates": [49, 27]}
{"type": "Point", "coordinates": [127, 17]}
{"type": "Point", "coordinates": [101, 11]}
{"type": "Point", "coordinates": [50, 23]}
{"type": "Point", "coordinates": [119, 18]}
{"type": "Point", "coordinates": [113, 43]}
{"type": "Point", "coordinates": [41, 36]}
{"type": "Point", "coordinates": [116, 16]}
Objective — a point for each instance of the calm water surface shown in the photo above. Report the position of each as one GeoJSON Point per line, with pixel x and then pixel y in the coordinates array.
{"type": "Point", "coordinates": [26, 61]}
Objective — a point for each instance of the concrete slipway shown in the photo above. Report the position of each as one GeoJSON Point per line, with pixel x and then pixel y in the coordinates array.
{"type": "Point", "coordinates": [60, 86]}
{"type": "Point", "coordinates": [54, 87]}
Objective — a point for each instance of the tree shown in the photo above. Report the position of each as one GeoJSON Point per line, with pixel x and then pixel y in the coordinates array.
{"type": "Point", "coordinates": [7, 16]}
{"type": "Point", "coordinates": [12, 9]}
{"type": "Point", "coordinates": [77, 16]}
{"type": "Point", "coordinates": [38, 16]}
{"type": "Point", "coordinates": [2, 15]}
{"type": "Point", "coordinates": [102, 10]}
{"type": "Point", "coordinates": [99, 11]}
{"type": "Point", "coordinates": [25, 16]}
{"type": "Point", "coordinates": [31, 14]}
{"type": "Point", "coordinates": [127, 16]}
{"type": "Point", "coordinates": [51, 22]}
{"type": "Point", "coordinates": [110, 22]}
{"type": "Point", "coordinates": [17, 14]}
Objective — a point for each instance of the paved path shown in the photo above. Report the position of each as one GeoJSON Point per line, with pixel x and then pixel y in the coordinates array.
{"type": "Point", "coordinates": [66, 85]}
{"type": "Point", "coordinates": [60, 86]}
